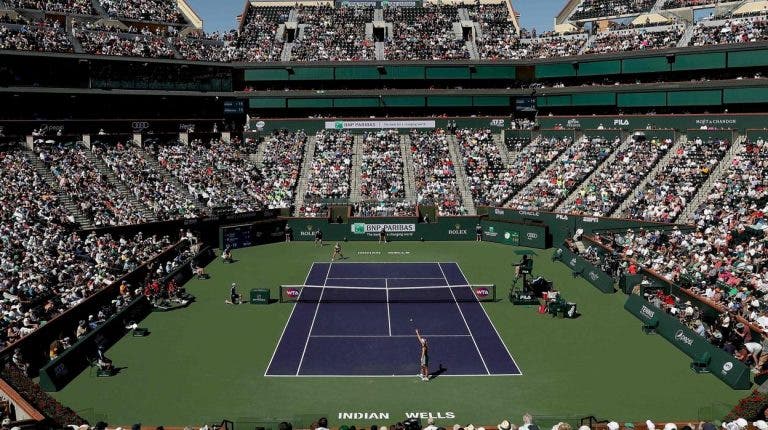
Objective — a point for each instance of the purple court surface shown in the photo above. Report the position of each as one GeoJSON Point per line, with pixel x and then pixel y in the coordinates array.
{"type": "Point", "coordinates": [358, 320]}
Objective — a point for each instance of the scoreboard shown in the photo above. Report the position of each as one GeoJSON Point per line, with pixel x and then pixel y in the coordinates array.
{"type": "Point", "coordinates": [237, 236]}
{"type": "Point", "coordinates": [251, 234]}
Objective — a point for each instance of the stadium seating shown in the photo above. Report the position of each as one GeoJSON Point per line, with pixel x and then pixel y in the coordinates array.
{"type": "Point", "coordinates": [666, 195]}
{"type": "Point", "coordinates": [486, 172]}
{"type": "Point", "coordinates": [435, 173]}
{"type": "Point", "coordinates": [589, 9]}
{"type": "Point", "coordinates": [381, 167]}
{"type": "Point", "coordinates": [145, 10]}
{"type": "Point", "coordinates": [554, 184]}
{"type": "Point", "coordinates": [47, 36]}
{"type": "Point", "coordinates": [739, 30]}
{"type": "Point", "coordinates": [39, 284]}
{"type": "Point", "coordinates": [614, 181]}
{"type": "Point", "coordinates": [81, 7]}
{"type": "Point", "coordinates": [635, 40]}
{"type": "Point", "coordinates": [423, 34]}
{"type": "Point", "coordinates": [333, 34]}
{"type": "Point", "coordinates": [149, 186]}
{"type": "Point", "coordinates": [258, 32]}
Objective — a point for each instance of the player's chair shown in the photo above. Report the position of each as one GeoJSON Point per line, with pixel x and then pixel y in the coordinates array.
{"type": "Point", "coordinates": [140, 332]}
{"type": "Point", "coordinates": [700, 363]}
{"type": "Point", "coordinates": [101, 372]}
{"type": "Point", "coordinates": [650, 326]}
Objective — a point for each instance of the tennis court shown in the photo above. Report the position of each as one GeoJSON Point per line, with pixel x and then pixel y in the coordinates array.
{"type": "Point", "coordinates": [358, 319]}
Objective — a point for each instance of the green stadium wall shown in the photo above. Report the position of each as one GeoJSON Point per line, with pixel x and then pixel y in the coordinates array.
{"type": "Point", "coordinates": [721, 364]}
{"type": "Point", "coordinates": [583, 268]}
{"type": "Point", "coordinates": [408, 228]}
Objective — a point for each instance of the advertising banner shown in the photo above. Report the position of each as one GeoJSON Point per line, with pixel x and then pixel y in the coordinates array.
{"type": "Point", "coordinates": [374, 124]}
{"type": "Point", "coordinates": [721, 364]}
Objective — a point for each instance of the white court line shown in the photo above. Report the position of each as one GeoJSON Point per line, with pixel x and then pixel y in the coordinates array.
{"type": "Point", "coordinates": [389, 319]}
{"type": "Point", "coordinates": [309, 335]}
{"type": "Point", "coordinates": [479, 375]}
{"type": "Point", "coordinates": [385, 278]}
{"type": "Point", "coordinates": [364, 336]}
{"type": "Point", "coordinates": [465, 320]}
{"type": "Point", "coordinates": [285, 326]}
{"type": "Point", "coordinates": [492, 325]}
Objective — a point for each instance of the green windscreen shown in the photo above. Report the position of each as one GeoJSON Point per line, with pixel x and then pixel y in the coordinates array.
{"type": "Point", "coordinates": [645, 65]}
{"type": "Point", "coordinates": [265, 103]}
{"type": "Point", "coordinates": [745, 95]}
{"type": "Point", "coordinates": [266, 75]}
{"type": "Point", "coordinates": [356, 73]}
{"type": "Point", "coordinates": [594, 99]}
{"type": "Point", "coordinates": [758, 57]}
{"type": "Point", "coordinates": [694, 98]}
{"type": "Point", "coordinates": [310, 103]}
{"type": "Point", "coordinates": [713, 60]}
{"type": "Point", "coordinates": [448, 72]}
{"type": "Point", "coordinates": [642, 99]}
{"type": "Point", "coordinates": [556, 70]}
{"type": "Point", "coordinates": [593, 68]}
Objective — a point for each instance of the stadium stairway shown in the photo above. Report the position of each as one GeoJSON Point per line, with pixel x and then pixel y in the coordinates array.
{"type": "Point", "coordinates": [409, 176]}
{"type": "Point", "coordinates": [173, 180]}
{"type": "Point", "coordinates": [99, 8]}
{"type": "Point", "coordinates": [135, 203]}
{"type": "Point", "coordinates": [67, 201]}
{"type": "Point", "coordinates": [664, 162]}
{"type": "Point", "coordinates": [533, 181]}
{"type": "Point", "coordinates": [71, 36]}
{"type": "Point", "coordinates": [357, 158]}
{"type": "Point", "coordinates": [498, 140]}
{"type": "Point", "coordinates": [657, 6]}
{"type": "Point", "coordinates": [176, 54]}
{"type": "Point", "coordinates": [718, 173]}
{"type": "Point", "coordinates": [472, 49]}
{"type": "Point", "coordinates": [461, 176]}
{"type": "Point", "coordinates": [379, 47]}
{"type": "Point", "coordinates": [285, 56]}
{"type": "Point", "coordinates": [687, 35]}
{"type": "Point", "coordinates": [588, 43]}
{"type": "Point", "coordinates": [607, 162]}
{"type": "Point", "coordinates": [306, 167]}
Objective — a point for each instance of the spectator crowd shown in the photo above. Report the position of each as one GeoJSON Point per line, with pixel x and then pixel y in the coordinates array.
{"type": "Point", "coordinates": [614, 181]}
{"type": "Point", "coordinates": [666, 195]}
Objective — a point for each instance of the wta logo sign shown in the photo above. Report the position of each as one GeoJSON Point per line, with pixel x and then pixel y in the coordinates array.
{"type": "Point", "coordinates": [292, 293]}
{"type": "Point", "coordinates": [482, 292]}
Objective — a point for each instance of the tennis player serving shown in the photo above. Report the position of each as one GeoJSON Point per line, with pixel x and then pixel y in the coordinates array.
{"type": "Point", "coordinates": [424, 375]}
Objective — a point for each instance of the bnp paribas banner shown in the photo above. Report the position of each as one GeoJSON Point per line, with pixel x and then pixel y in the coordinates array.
{"type": "Point", "coordinates": [376, 124]}
{"type": "Point", "coordinates": [639, 122]}
{"type": "Point", "coordinates": [392, 230]}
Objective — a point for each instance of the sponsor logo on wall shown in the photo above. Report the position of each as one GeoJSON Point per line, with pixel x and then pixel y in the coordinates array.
{"type": "Point", "coordinates": [681, 337]}
{"type": "Point", "coordinates": [491, 231]}
{"type": "Point", "coordinates": [392, 229]}
{"type": "Point", "coordinates": [647, 312]}
{"type": "Point", "coordinates": [347, 125]}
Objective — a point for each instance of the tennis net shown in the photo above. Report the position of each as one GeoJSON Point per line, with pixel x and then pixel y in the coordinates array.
{"type": "Point", "coordinates": [428, 294]}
